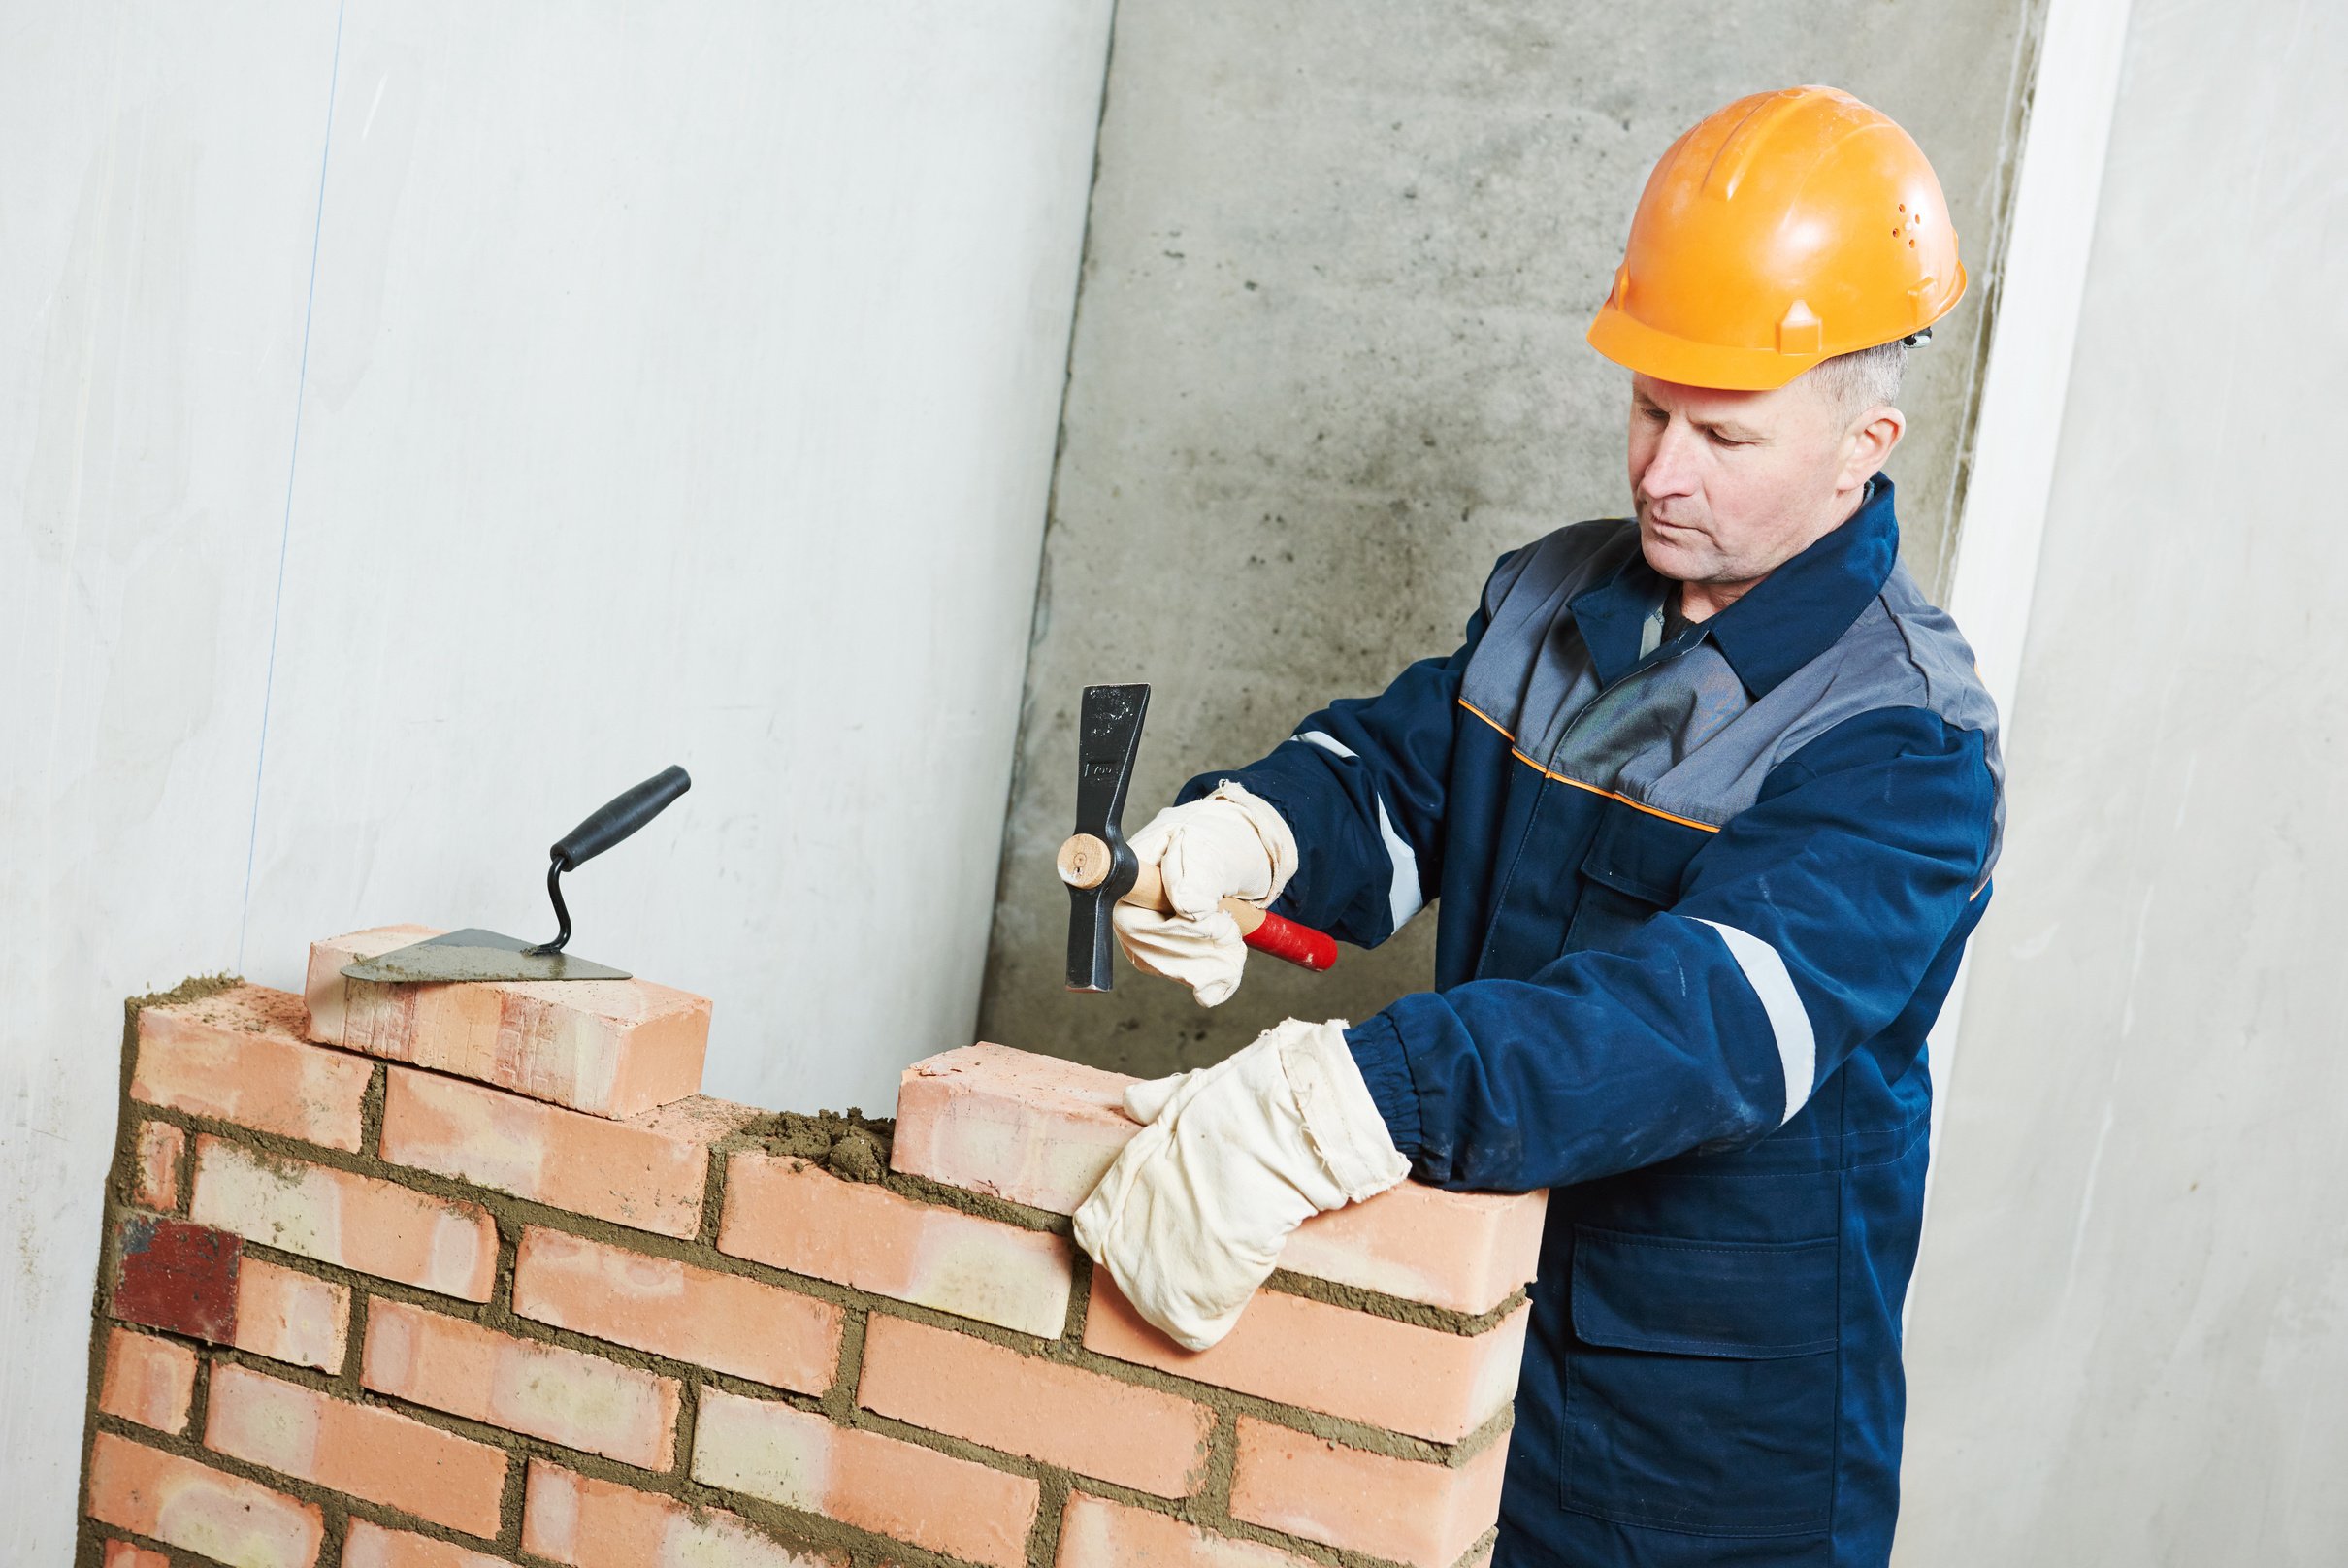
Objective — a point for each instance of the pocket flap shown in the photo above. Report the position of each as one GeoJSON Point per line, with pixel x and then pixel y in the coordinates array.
{"type": "Point", "coordinates": [1641, 855]}
{"type": "Point", "coordinates": [1749, 1300]}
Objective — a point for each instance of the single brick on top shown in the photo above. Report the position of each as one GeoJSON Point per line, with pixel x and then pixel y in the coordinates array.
{"type": "Point", "coordinates": [613, 1048]}
{"type": "Point", "coordinates": [1041, 1131]}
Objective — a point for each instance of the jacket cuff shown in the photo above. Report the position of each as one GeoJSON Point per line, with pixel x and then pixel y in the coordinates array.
{"type": "Point", "coordinates": [1376, 1048]}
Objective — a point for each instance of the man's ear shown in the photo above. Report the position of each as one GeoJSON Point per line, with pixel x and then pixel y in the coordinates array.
{"type": "Point", "coordinates": [1870, 445]}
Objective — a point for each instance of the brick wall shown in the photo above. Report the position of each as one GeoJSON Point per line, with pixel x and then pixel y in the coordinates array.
{"type": "Point", "coordinates": [469, 1275]}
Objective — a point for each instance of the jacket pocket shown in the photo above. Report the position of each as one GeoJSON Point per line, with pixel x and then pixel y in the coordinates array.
{"type": "Point", "coordinates": [1701, 1387]}
{"type": "Point", "coordinates": [1632, 870]}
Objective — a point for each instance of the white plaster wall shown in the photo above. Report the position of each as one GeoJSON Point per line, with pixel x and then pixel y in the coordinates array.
{"type": "Point", "coordinates": [674, 384]}
{"type": "Point", "coordinates": [2129, 1336]}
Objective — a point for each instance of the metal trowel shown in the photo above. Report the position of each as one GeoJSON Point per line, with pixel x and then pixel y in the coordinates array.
{"type": "Point", "coordinates": [474, 954]}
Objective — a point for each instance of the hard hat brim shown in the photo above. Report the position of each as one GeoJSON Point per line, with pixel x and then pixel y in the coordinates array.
{"type": "Point", "coordinates": [1637, 347]}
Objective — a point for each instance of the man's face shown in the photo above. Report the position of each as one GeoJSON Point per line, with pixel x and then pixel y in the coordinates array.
{"type": "Point", "coordinates": [1731, 485]}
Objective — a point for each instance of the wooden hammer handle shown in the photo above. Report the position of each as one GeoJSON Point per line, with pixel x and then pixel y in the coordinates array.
{"type": "Point", "coordinates": [1084, 863]}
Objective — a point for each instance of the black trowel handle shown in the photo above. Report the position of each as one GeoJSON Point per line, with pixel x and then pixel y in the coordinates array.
{"type": "Point", "coordinates": [619, 817]}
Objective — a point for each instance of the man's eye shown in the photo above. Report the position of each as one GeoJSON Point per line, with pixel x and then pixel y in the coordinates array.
{"type": "Point", "coordinates": [1719, 440]}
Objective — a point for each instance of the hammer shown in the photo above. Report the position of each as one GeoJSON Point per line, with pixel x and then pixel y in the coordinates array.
{"type": "Point", "coordinates": [1102, 871]}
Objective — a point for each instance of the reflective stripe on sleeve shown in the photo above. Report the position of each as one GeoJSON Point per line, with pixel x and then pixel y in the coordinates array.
{"type": "Point", "coordinates": [1765, 972]}
{"type": "Point", "coordinates": [1403, 899]}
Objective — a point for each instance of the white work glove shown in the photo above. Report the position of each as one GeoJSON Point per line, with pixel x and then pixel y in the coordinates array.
{"type": "Point", "coordinates": [1191, 1217]}
{"type": "Point", "coordinates": [1230, 843]}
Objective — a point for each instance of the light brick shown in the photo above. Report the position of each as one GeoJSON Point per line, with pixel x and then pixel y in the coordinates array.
{"type": "Point", "coordinates": [365, 1451]}
{"type": "Point", "coordinates": [1095, 1533]}
{"type": "Point", "coordinates": [322, 985]}
{"type": "Point", "coordinates": [239, 1057]}
{"type": "Point", "coordinates": [155, 1168]}
{"type": "Point", "coordinates": [371, 1545]}
{"type": "Point", "coordinates": [147, 1380]}
{"type": "Point", "coordinates": [588, 1523]}
{"type": "Point", "coordinates": [1424, 1515]}
{"type": "Point", "coordinates": [194, 1507]}
{"type": "Point", "coordinates": [289, 1316]}
{"type": "Point", "coordinates": [649, 1171]}
{"type": "Point", "coordinates": [657, 1304]}
{"type": "Point", "coordinates": [1081, 1420]}
{"type": "Point", "coordinates": [787, 1213]}
{"type": "Point", "coordinates": [1041, 1131]}
{"type": "Point", "coordinates": [1292, 1351]}
{"type": "Point", "coordinates": [615, 1048]}
{"type": "Point", "coordinates": [564, 1397]}
{"type": "Point", "coordinates": [1031, 1128]}
{"type": "Point", "coordinates": [122, 1554]}
{"type": "Point", "coordinates": [375, 1226]}
{"type": "Point", "coordinates": [800, 1460]}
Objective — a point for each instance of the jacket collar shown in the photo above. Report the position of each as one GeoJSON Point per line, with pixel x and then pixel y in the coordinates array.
{"type": "Point", "coordinates": [1795, 615]}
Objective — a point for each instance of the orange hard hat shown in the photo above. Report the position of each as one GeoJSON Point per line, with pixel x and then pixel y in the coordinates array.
{"type": "Point", "coordinates": [1784, 229]}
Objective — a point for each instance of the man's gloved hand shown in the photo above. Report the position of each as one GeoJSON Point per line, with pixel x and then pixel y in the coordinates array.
{"type": "Point", "coordinates": [1230, 843]}
{"type": "Point", "coordinates": [1193, 1216]}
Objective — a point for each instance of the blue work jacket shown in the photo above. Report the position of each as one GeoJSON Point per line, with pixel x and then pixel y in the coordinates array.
{"type": "Point", "coordinates": [1700, 901]}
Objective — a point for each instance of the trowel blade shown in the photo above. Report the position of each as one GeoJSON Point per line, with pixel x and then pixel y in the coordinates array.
{"type": "Point", "coordinates": [474, 954]}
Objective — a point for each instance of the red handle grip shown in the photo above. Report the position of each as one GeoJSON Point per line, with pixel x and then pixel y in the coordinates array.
{"type": "Point", "coordinates": [1300, 945]}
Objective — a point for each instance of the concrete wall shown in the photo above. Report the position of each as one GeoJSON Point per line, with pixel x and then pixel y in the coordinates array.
{"type": "Point", "coordinates": [670, 385]}
{"type": "Point", "coordinates": [2130, 1330]}
{"type": "Point", "coordinates": [1329, 364]}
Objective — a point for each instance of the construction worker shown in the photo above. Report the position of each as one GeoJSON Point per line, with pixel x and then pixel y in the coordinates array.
{"type": "Point", "coordinates": [1709, 798]}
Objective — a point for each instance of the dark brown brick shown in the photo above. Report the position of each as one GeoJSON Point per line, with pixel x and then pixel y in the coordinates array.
{"type": "Point", "coordinates": [177, 1277]}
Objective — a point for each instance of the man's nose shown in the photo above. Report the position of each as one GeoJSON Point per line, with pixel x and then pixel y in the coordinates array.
{"type": "Point", "coordinates": [1671, 469]}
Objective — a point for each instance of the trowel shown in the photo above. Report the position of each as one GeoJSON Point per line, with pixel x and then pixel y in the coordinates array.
{"type": "Point", "coordinates": [474, 954]}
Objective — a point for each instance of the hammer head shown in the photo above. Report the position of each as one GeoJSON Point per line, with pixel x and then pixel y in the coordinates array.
{"type": "Point", "coordinates": [1103, 870]}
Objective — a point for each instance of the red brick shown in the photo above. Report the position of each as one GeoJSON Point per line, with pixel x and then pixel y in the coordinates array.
{"type": "Point", "coordinates": [194, 1507]}
{"type": "Point", "coordinates": [239, 1056]}
{"type": "Point", "coordinates": [155, 1168]}
{"type": "Point", "coordinates": [588, 1523]}
{"type": "Point", "coordinates": [375, 1226]}
{"type": "Point", "coordinates": [564, 1397]}
{"type": "Point", "coordinates": [365, 1451]}
{"type": "Point", "coordinates": [649, 1171]}
{"type": "Point", "coordinates": [122, 1554]}
{"type": "Point", "coordinates": [799, 1459]}
{"type": "Point", "coordinates": [718, 1320]}
{"type": "Point", "coordinates": [289, 1316]}
{"type": "Point", "coordinates": [1296, 1352]}
{"type": "Point", "coordinates": [175, 1276]}
{"type": "Point", "coordinates": [615, 1048]}
{"type": "Point", "coordinates": [147, 1380]}
{"type": "Point", "coordinates": [1040, 1132]}
{"type": "Point", "coordinates": [1424, 1515]}
{"type": "Point", "coordinates": [1080, 1420]}
{"type": "Point", "coordinates": [795, 1215]}
{"type": "Point", "coordinates": [371, 1545]}
{"type": "Point", "coordinates": [1095, 1533]}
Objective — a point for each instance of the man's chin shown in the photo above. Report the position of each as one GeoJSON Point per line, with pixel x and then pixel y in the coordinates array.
{"type": "Point", "coordinates": [1678, 553]}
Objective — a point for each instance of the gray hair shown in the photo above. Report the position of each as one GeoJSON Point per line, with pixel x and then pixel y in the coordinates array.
{"type": "Point", "coordinates": [1865, 377]}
